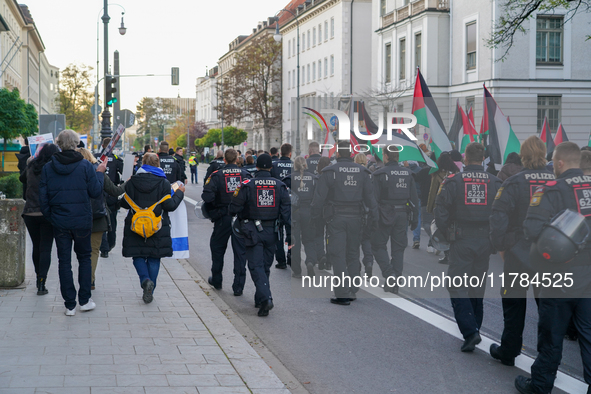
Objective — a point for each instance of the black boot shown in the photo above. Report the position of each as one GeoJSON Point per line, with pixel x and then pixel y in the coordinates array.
{"type": "Point", "coordinates": [41, 289]}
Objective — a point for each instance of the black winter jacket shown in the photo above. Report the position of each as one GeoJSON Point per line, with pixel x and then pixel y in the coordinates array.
{"type": "Point", "coordinates": [146, 189]}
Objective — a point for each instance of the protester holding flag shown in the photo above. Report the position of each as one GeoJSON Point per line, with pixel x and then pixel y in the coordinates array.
{"type": "Point", "coordinates": [146, 188]}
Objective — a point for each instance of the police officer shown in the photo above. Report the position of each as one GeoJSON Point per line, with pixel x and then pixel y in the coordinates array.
{"type": "Point", "coordinates": [462, 207]}
{"type": "Point", "coordinates": [259, 203]}
{"type": "Point", "coordinates": [114, 172]}
{"type": "Point", "coordinates": [397, 199]}
{"type": "Point", "coordinates": [215, 164]}
{"type": "Point", "coordinates": [506, 233]}
{"type": "Point", "coordinates": [168, 164]}
{"type": "Point", "coordinates": [571, 190]}
{"type": "Point", "coordinates": [342, 191]}
{"type": "Point", "coordinates": [193, 163]}
{"type": "Point", "coordinates": [302, 184]}
{"type": "Point", "coordinates": [313, 157]}
{"type": "Point", "coordinates": [250, 166]}
{"type": "Point", "coordinates": [178, 156]}
{"type": "Point", "coordinates": [217, 192]}
{"type": "Point", "coordinates": [282, 169]}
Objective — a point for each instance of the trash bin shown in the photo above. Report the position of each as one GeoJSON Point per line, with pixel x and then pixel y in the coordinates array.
{"type": "Point", "coordinates": [13, 242]}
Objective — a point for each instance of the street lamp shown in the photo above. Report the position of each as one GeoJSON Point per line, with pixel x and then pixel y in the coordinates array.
{"type": "Point", "coordinates": [278, 37]}
{"type": "Point", "coordinates": [106, 123]}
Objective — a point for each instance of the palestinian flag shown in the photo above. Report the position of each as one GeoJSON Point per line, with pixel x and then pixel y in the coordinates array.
{"type": "Point", "coordinates": [501, 138]}
{"type": "Point", "coordinates": [546, 136]}
{"type": "Point", "coordinates": [410, 150]}
{"type": "Point", "coordinates": [424, 108]}
{"type": "Point", "coordinates": [462, 131]}
{"type": "Point", "coordinates": [560, 135]}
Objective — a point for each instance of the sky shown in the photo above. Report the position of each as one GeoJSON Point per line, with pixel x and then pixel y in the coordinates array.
{"type": "Point", "coordinates": [189, 34]}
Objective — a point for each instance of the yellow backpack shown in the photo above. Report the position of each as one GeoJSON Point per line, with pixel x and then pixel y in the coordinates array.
{"type": "Point", "coordinates": [144, 222]}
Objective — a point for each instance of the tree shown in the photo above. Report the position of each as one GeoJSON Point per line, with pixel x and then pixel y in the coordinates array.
{"type": "Point", "coordinates": [514, 14]}
{"type": "Point", "coordinates": [76, 97]}
{"type": "Point", "coordinates": [16, 117]}
{"type": "Point", "coordinates": [232, 137]}
{"type": "Point", "coordinates": [252, 86]}
{"type": "Point", "coordinates": [153, 114]}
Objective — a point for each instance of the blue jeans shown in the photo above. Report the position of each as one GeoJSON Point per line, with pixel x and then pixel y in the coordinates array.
{"type": "Point", "coordinates": [83, 249]}
{"type": "Point", "coordinates": [416, 234]}
{"type": "Point", "coordinates": [147, 268]}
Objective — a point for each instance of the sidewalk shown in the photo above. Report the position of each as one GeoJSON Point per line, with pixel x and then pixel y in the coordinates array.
{"type": "Point", "coordinates": [180, 343]}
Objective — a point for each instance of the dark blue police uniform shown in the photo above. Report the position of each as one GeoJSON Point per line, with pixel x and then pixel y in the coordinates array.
{"type": "Point", "coordinates": [217, 193]}
{"type": "Point", "coordinates": [259, 203]}
{"type": "Point", "coordinates": [281, 169]}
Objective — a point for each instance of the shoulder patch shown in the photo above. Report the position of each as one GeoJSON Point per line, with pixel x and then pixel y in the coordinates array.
{"type": "Point", "coordinates": [237, 190]}
{"type": "Point", "coordinates": [208, 180]}
{"type": "Point", "coordinates": [551, 183]}
{"type": "Point", "coordinates": [537, 197]}
{"type": "Point", "coordinates": [451, 175]}
{"type": "Point", "coordinates": [244, 182]}
{"type": "Point", "coordinates": [499, 193]}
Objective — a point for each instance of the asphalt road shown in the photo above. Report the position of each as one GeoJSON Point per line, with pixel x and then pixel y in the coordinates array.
{"type": "Point", "coordinates": [371, 346]}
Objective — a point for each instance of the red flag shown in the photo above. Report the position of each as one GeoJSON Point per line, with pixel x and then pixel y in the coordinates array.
{"type": "Point", "coordinates": [560, 135]}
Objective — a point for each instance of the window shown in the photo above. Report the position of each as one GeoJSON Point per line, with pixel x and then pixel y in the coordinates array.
{"type": "Point", "coordinates": [314, 71]}
{"type": "Point", "coordinates": [308, 44]}
{"type": "Point", "coordinates": [293, 78]}
{"type": "Point", "coordinates": [400, 108]}
{"type": "Point", "coordinates": [325, 30]}
{"type": "Point", "coordinates": [303, 42]}
{"type": "Point", "coordinates": [418, 38]}
{"type": "Point", "coordinates": [331, 64]}
{"type": "Point", "coordinates": [549, 39]}
{"type": "Point", "coordinates": [320, 34]}
{"type": "Point", "coordinates": [325, 67]}
{"type": "Point", "coordinates": [469, 103]}
{"type": "Point", "coordinates": [549, 107]}
{"type": "Point", "coordinates": [388, 65]}
{"type": "Point", "coordinates": [303, 76]}
{"type": "Point", "coordinates": [382, 7]}
{"type": "Point", "coordinates": [288, 110]}
{"type": "Point", "coordinates": [319, 68]}
{"type": "Point", "coordinates": [471, 46]}
{"type": "Point", "coordinates": [331, 27]}
{"type": "Point", "coordinates": [402, 61]}
{"type": "Point", "coordinates": [293, 45]}
{"type": "Point", "coordinates": [314, 36]}
{"type": "Point", "coordinates": [289, 79]}
{"type": "Point", "coordinates": [289, 49]}
{"type": "Point", "coordinates": [308, 73]}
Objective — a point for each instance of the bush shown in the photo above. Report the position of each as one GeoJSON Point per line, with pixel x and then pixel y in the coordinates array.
{"type": "Point", "coordinates": [11, 186]}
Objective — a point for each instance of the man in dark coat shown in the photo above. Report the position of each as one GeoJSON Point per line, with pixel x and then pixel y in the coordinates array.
{"type": "Point", "coordinates": [67, 184]}
{"type": "Point", "coordinates": [146, 188]}
{"type": "Point", "coordinates": [180, 160]}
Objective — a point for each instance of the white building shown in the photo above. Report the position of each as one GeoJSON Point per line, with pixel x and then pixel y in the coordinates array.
{"type": "Point", "coordinates": [206, 99]}
{"type": "Point", "coordinates": [335, 54]}
{"type": "Point", "coordinates": [544, 75]}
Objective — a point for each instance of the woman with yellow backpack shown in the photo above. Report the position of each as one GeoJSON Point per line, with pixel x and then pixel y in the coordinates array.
{"type": "Point", "coordinates": [146, 235]}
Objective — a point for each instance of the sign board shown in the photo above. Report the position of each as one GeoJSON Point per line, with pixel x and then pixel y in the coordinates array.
{"type": "Point", "coordinates": [156, 140]}
{"type": "Point", "coordinates": [426, 137]}
{"type": "Point", "coordinates": [84, 140]}
{"type": "Point", "coordinates": [37, 141]}
{"type": "Point", "coordinates": [128, 118]}
{"type": "Point", "coordinates": [206, 150]}
{"type": "Point", "coordinates": [53, 124]}
{"type": "Point", "coordinates": [98, 107]}
{"type": "Point", "coordinates": [128, 163]}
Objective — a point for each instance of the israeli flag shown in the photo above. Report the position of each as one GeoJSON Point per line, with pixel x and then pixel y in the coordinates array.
{"type": "Point", "coordinates": [179, 231]}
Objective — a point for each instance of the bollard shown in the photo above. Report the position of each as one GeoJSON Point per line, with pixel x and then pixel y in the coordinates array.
{"type": "Point", "coordinates": [13, 242]}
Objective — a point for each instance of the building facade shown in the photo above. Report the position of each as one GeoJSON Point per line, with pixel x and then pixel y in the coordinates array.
{"type": "Point", "coordinates": [543, 74]}
{"type": "Point", "coordinates": [206, 99]}
{"type": "Point", "coordinates": [334, 47]}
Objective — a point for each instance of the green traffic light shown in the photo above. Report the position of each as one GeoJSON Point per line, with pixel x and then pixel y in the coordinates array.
{"type": "Point", "coordinates": [112, 101]}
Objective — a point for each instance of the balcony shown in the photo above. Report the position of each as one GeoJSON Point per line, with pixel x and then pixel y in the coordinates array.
{"type": "Point", "coordinates": [412, 9]}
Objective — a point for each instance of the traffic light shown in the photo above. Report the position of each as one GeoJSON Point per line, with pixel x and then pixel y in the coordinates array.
{"type": "Point", "coordinates": [174, 76]}
{"type": "Point", "coordinates": [110, 83]}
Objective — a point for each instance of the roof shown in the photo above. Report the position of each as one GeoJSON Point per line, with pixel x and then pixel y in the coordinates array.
{"type": "Point", "coordinates": [292, 6]}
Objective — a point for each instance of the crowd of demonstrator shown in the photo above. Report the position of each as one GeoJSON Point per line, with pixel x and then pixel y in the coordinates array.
{"type": "Point", "coordinates": [66, 189]}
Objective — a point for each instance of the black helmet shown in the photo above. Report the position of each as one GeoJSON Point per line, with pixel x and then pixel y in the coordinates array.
{"type": "Point", "coordinates": [201, 210]}
{"type": "Point", "coordinates": [437, 238]}
{"type": "Point", "coordinates": [561, 240]}
{"type": "Point", "coordinates": [237, 227]}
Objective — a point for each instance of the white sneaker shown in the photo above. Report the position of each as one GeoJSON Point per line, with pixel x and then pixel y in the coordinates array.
{"type": "Point", "coordinates": [90, 305]}
{"type": "Point", "coordinates": [70, 312]}
{"type": "Point", "coordinates": [430, 249]}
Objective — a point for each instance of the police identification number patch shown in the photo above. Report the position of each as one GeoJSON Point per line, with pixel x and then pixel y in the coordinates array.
{"type": "Point", "coordinates": [265, 197]}
{"type": "Point", "coordinates": [476, 193]}
{"type": "Point", "coordinates": [233, 182]}
{"type": "Point", "coordinates": [499, 193]}
{"type": "Point", "coordinates": [583, 197]}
